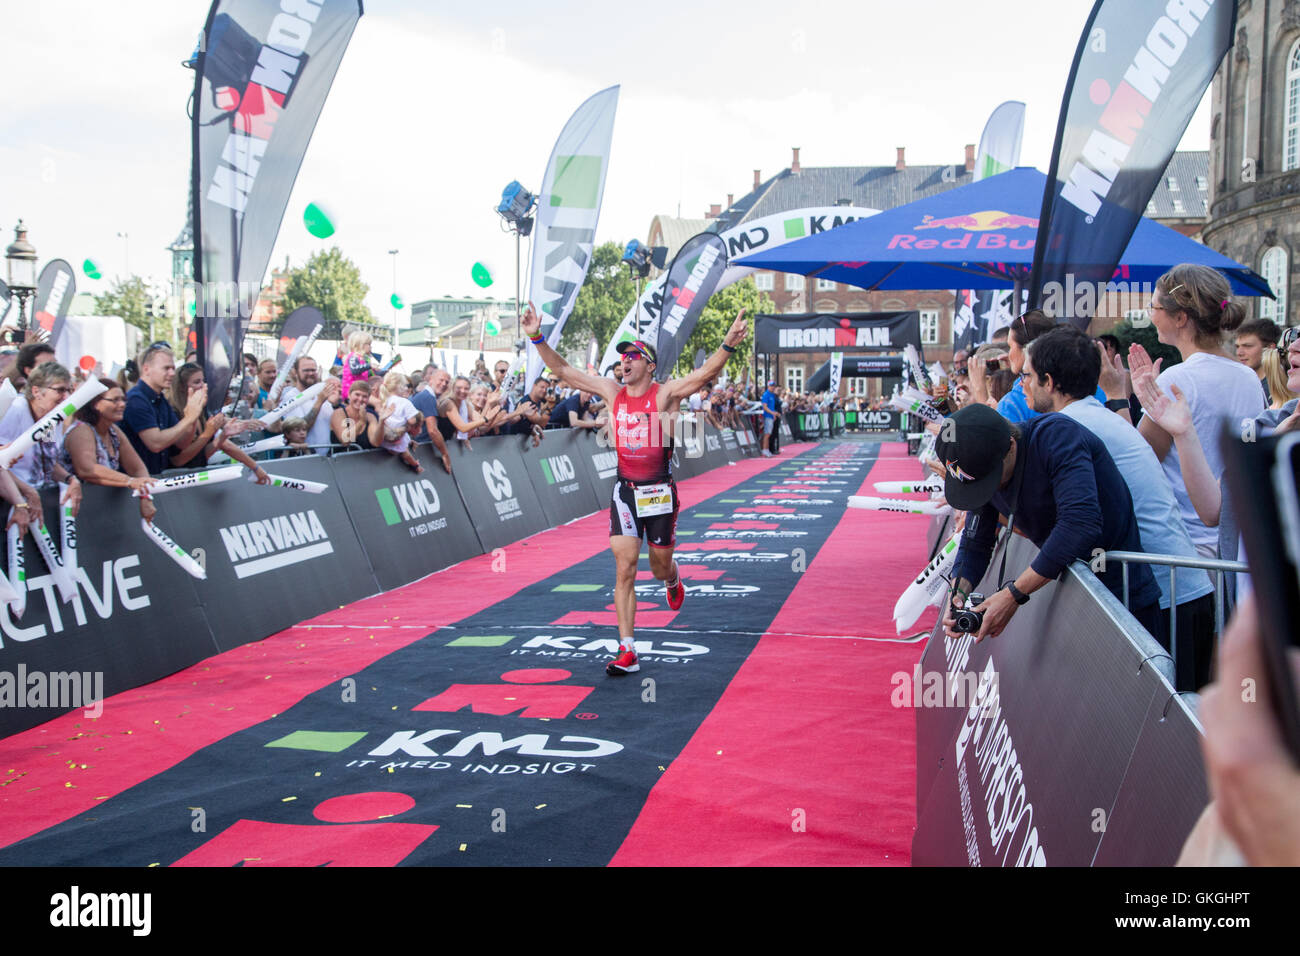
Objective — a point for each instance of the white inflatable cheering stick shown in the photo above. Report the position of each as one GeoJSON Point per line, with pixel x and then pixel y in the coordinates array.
{"type": "Point", "coordinates": [17, 572]}
{"type": "Point", "coordinates": [300, 348]}
{"type": "Point", "coordinates": [283, 409]}
{"type": "Point", "coordinates": [293, 484]}
{"type": "Point", "coordinates": [213, 476]}
{"type": "Point", "coordinates": [929, 587]}
{"type": "Point", "coordinates": [173, 550]}
{"type": "Point", "coordinates": [869, 503]}
{"type": "Point", "coordinates": [43, 429]}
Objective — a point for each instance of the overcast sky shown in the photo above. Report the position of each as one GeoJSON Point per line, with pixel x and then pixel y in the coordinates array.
{"type": "Point", "coordinates": [438, 105]}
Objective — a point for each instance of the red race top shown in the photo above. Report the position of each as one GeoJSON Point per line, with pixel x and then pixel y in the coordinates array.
{"type": "Point", "coordinates": [644, 454]}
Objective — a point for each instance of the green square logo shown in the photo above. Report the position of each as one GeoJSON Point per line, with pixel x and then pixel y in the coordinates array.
{"type": "Point", "coordinates": [482, 640]}
{"type": "Point", "coordinates": [546, 470]}
{"type": "Point", "coordinates": [325, 741]}
{"type": "Point", "coordinates": [577, 182]}
{"type": "Point", "coordinates": [794, 228]}
{"type": "Point", "coordinates": [388, 506]}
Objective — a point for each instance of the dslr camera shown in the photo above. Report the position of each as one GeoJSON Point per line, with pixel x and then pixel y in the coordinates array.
{"type": "Point", "coordinates": [967, 620]}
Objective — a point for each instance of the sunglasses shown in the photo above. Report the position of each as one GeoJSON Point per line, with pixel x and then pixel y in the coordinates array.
{"type": "Point", "coordinates": [1289, 336]}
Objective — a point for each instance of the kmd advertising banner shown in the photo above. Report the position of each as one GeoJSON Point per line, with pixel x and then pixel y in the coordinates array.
{"type": "Point", "coordinates": [410, 525]}
{"type": "Point", "coordinates": [1139, 72]}
{"type": "Point", "coordinates": [561, 481]}
{"type": "Point", "coordinates": [264, 70]}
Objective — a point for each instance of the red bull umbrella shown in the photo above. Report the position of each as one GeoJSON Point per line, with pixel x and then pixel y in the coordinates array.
{"type": "Point", "coordinates": [978, 236]}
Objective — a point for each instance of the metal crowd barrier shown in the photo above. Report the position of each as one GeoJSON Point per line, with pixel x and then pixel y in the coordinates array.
{"type": "Point", "coordinates": [1217, 566]}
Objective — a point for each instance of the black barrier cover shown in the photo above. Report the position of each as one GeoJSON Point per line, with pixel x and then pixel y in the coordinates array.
{"type": "Point", "coordinates": [135, 617]}
{"type": "Point", "coordinates": [495, 486]}
{"type": "Point", "coordinates": [714, 454]}
{"type": "Point", "coordinates": [410, 525]}
{"type": "Point", "coordinates": [601, 460]}
{"type": "Point", "coordinates": [560, 479]}
{"type": "Point", "coordinates": [274, 557]}
{"type": "Point", "coordinates": [1166, 774]}
{"type": "Point", "coordinates": [731, 444]}
{"type": "Point", "coordinates": [1005, 787]}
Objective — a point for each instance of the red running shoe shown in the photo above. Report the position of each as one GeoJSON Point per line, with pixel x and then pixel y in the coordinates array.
{"type": "Point", "coordinates": [625, 663]}
{"type": "Point", "coordinates": [676, 595]}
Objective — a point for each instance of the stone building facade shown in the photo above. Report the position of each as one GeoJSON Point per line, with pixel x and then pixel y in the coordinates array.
{"type": "Point", "coordinates": [1255, 152]}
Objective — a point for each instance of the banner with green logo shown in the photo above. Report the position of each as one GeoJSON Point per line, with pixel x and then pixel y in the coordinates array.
{"type": "Point", "coordinates": [568, 208]}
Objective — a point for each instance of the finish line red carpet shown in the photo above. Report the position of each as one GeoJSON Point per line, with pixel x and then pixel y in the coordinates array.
{"type": "Point", "coordinates": [466, 719]}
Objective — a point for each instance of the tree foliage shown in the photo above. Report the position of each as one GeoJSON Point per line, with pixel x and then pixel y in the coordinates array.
{"type": "Point", "coordinates": [604, 299]}
{"type": "Point", "coordinates": [716, 320]}
{"type": "Point", "coordinates": [128, 299]}
{"type": "Point", "coordinates": [1144, 334]}
{"type": "Point", "coordinates": [332, 283]}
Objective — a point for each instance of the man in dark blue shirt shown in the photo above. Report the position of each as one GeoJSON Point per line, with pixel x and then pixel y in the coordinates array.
{"type": "Point", "coordinates": [1065, 494]}
{"type": "Point", "coordinates": [569, 413]}
{"type": "Point", "coordinates": [150, 422]}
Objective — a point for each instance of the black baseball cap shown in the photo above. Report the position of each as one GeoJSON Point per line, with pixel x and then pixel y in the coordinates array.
{"type": "Point", "coordinates": [972, 460]}
{"type": "Point", "coordinates": [638, 345]}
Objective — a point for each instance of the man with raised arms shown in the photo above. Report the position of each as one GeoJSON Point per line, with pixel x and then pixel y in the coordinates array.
{"type": "Point", "coordinates": [642, 414]}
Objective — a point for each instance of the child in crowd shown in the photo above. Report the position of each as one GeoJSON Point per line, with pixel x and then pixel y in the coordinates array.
{"type": "Point", "coordinates": [295, 438]}
{"type": "Point", "coordinates": [400, 417]}
{"type": "Point", "coordinates": [358, 363]}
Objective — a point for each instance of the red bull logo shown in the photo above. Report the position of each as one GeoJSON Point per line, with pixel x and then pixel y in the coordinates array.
{"type": "Point", "coordinates": [980, 221]}
{"type": "Point", "coordinates": [990, 225]}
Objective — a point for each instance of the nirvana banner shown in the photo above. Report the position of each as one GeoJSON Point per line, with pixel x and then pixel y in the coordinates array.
{"type": "Point", "coordinates": [1139, 72]}
{"type": "Point", "coordinates": [692, 277]}
{"type": "Point", "coordinates": [263, 73]}
{"type": "Point", "coordinates": [838, 332]}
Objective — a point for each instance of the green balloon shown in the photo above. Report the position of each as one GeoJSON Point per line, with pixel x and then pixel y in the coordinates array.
{"type": "Point", "coordinates": [193, 309]}
{"type": "Point", "coordinates": [396, 300]}
{"type": "Point", "coordinates": [481, 275]}
{"type": "Point", "coordinates": [317, 221]}
{"type": "Point", "coordinates": [91, 269]}
{"type": "Point", "coordinates": [492, 327]}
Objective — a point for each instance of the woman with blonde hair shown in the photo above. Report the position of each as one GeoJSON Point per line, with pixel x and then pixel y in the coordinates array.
{"type": "Point", "coordinates": [400, 418]}
{"type": "Point", "coordinates": [1275, 367]}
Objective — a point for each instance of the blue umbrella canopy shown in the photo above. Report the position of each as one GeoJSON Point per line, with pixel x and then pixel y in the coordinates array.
{"type": "Point", "coordinates": [978, 236]}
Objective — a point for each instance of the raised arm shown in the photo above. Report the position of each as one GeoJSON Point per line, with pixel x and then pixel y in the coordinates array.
{"type": "Point", "coordinates": [674, 390]}
{"type": "Point", "coordinates": [606, 388]}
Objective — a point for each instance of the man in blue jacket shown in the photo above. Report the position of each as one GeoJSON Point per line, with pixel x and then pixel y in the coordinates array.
{"type": "Point", "coordinates": [1062, 490]}
{"type": "Point", "coordinates": [769, 418]}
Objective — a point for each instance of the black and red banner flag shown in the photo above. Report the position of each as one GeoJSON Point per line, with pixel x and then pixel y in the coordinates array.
{"type": "Point", "coordinates": [54, 291]}
{"type": "Point", "coordinates": [692, 277]}
{"type": "Point", "coordinates": [263, 72]}
{"type": "Point", "coordinates": [1139, 73]}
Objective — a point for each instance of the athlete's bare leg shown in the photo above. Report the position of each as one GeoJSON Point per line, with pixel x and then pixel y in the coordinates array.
{"type": "Point", "coordinates": [627, 550]}
{"type": "Point", "coordinates": [661, 562]}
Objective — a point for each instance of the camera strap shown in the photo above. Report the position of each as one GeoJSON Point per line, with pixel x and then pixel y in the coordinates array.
{"type": "Point", "coordinates": [1017, 478]}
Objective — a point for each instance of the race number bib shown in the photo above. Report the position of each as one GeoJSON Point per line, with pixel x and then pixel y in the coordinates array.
{"type": "Point", "coordinates": [653, 500]}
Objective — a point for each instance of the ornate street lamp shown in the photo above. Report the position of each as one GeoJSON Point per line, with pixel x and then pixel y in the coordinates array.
{"type": "Point", "coordinates": [20, 257]}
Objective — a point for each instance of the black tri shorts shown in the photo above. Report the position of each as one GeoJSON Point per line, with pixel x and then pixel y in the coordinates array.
{"type": "Point", "coordinates": [659, 530]}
